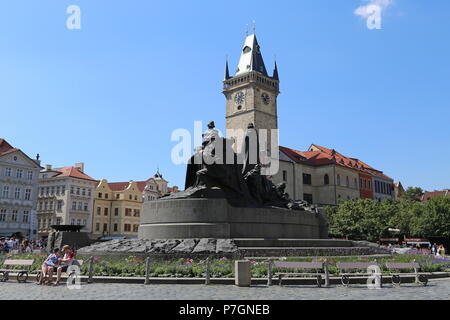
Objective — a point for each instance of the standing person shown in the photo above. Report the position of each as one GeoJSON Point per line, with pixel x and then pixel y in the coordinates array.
{"type": "Point", "coordinates": [48, 265]}
{"type": "Point", "coordinates": [434, 249]}
{"type": "Point", "coordinates": [64, 263]}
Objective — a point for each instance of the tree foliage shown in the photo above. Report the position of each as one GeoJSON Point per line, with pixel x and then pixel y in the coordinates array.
{"type": "Point", "coordinates": [370, 220]}
{"type": "Point", "coordinates": [413, 194]}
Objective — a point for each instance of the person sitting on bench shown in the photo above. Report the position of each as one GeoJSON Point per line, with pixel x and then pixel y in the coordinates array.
{"type": "Point", "coordinates": [48, 265]}
{"type": "Point", "coordinates": [64, 263]}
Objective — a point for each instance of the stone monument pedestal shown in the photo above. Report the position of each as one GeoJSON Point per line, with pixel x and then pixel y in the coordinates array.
{"type": "Point", "coordinates": [216, 218]}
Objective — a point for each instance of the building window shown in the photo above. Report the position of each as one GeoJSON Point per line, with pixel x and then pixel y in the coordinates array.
{"type": "Point", "coordinates": [8, 172]}
{"type": "Point", "coordinates": [338, 180]}
{"type": "Point", "coordinates": [99, 194]}
{"type": "Point", "coordinates": [78, 191]}
{"type": "Point", "coordinates": [347, 182]}
{"type": "Point", "coordinates": [17, 193]}
{"type": "Point", "coordinates": [27, 194]}
{"type": "Point", "coordinates": [97, 227]}
{"type": "Point", "coordinates": [85, 206]}
{"type": "Point", "coordinates": [105, 227]}
{"type": "Point", "coordinates": [137, 213]}
{"type": "Point", "coordinates": [131, 197]}
{"type": "Point", "coordinates": [78, 222]}
{"type": "Point", "coordinates": [26, 216]}
{"type": "Point", "coordinates": [307, 179]}
{"type": "Point", "coordinates": [128, 212]}
{"type": "Point", "coordinates": [6, 192]}
{"type": "Point", "coordinates": [14, 215]}
{"type": "Point", "coordinates": [308, 198]}
{"type": "Point", "coordinates": [116, 211]}
{"type": "Point", "coordinates": [127, 227]}
{"type": "Point", "coordinates": [59, 205]}
{"type": "Point", "coordinates": [19, 173]}
{"type": "Point", "coordinates": [2, 215]}
{"type": "Point", "coordinates": [116, 227]}
{"type": "Point", "coordinates": [30, 175]}
{"type": "Point", "coordinates": [72, 190]}
{"type": "Point", "coordinates": [80, 206]}
{"type": "Point", "coordinates": [63, 190]}
{"type": "Point", "coordinates": [326, 179]}
{"type": "Point", "coordinates": [117, 196]}
{"type": "Point", "coordinates": [72, 222]}
{"type": "Point", "coordinates": [89, 192]}
{"type": "Point", "coordinates": [58, 221]}
{"type": "Point", "coordinates": [106, 196]}
{"type": "Point", "coordinates": [105, 211]}
{"type": "Point", "coordinates": [135, 227]}
{"type": "Point", "coordinates": [284, 177]}
{"type": "Point", "coordinates": [356, 183]}
{"type": "Point", "coordinates": [83, 192]}
{"type": "Point", "coordinates": [74, 205]}
{"type": "Point", "coordinates": [99, 211]}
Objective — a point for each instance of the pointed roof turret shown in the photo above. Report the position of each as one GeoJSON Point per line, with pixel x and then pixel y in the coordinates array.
{"type": "Point", "coordinates": [227, 72]}
{"type": "Point", "coordinates": [251, 57]}
{"type": "Point", "coordinates": [275, 72]}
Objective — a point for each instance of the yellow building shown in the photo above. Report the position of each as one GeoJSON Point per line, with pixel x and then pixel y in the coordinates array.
{"type": "Point", "coordinates": [117, 209]}
{"type": "Point", "coordinates": [118, 205]}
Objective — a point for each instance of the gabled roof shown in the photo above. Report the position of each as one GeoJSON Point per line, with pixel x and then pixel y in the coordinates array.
{"type": "Point", "coordinates": [251, 57]}
{"type": "Point", "coordinates": [120, 186]}
{"type": "Point", "coordinates": [318, 156]}
{"type": "Point", "coordinates": [72, 172]}
{"type": "Point", "coordinates": [5, 147]}
{"type": "Point", "coordinates": [428, 195]}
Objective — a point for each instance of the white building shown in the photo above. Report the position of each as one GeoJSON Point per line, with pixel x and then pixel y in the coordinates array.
{"type": "Point", "coordinates": [18, 192]}
{"type": "Point", "coordinates": [66, 197]}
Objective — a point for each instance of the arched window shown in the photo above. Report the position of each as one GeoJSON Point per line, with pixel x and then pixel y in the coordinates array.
{"type": "Point", "coordinates": [326, 179]}
{"type": "Point", "coordinates": [338, 180]}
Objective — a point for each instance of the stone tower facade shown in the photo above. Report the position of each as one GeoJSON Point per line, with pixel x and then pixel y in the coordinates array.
{"type": "Point", "coordinates": [251, 95]}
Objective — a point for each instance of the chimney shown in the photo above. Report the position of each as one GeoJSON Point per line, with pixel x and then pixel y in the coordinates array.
{"type": "Point", "coordinates": [80, 166]}
{"type": "Point", "coordinates": [48, 167]}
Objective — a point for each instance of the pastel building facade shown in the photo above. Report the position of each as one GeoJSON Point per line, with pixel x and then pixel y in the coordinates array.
{"type": "Point", "coordinates": [118, 205]}
{"type": "Point", "coordinates": [66, 197]}
{"type": "Point", "coordinates": [18, 192]}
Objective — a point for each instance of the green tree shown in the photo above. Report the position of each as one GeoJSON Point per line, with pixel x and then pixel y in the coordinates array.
{"type": "Point", "coordinates": [434, 219]}
{"type": "Point", "coordinates": [413, 193]}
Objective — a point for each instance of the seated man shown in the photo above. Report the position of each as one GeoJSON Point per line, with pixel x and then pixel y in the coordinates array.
{"type": "Point", "coordinates": [64, 263]}
{"type": "Point", "coordinates": [48, 265]}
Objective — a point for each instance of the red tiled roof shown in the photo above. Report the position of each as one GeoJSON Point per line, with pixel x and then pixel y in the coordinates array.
{"type": "Point", "coordinates": [120, 186]}
{"type": "Point", "coordinates": [329, 156]}
{"type": "Point", "coordinates": [428, 195]}
{"type": "Point", "coordinates": [5, 147]}
{"type": "Point", "coordinates": [73, 172]}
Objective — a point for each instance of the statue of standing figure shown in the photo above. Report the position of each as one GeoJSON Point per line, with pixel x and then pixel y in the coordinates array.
{"type": "Point", "coordinates": [209, 175]}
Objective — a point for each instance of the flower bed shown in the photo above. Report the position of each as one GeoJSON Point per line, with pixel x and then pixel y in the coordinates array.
{"type": "Point", "coordinates": [133, 266]}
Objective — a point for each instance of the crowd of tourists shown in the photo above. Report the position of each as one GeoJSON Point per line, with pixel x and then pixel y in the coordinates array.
{"type": "Point", "coordinates": [23, 245]}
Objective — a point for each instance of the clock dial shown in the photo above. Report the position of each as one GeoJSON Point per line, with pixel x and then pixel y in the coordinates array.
{"type": "Point", "coordinates": [239, 98]}
{"type": "Point", "coordinates": [266, 98]}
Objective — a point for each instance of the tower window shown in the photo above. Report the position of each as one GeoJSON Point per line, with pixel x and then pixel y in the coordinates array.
{"type": "Point", "coordinates": [326, 179]}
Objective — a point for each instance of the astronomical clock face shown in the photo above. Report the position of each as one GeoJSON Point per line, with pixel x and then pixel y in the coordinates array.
{"type": "Point", "coordinates": [239, 98]}
{"type": "Point", "coordinates": [265, 98]}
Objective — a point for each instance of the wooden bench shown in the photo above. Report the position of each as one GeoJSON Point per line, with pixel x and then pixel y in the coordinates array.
{"type": "Point", "coordinates": [22, 274]}
{"type": "Point", "coordinates": [300, 265]}
{"type": "Point", "coordinates": [396, 277]}
{"type": "Point", "coordinates": [66, 274]}
{"type": "Point", "coordinates": [344, 268]}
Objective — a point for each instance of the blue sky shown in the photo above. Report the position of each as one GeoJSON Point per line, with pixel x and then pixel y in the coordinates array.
{"type": "Point", "coordinates": [111, 94]}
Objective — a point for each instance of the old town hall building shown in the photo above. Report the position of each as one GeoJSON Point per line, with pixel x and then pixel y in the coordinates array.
{"type": "Point", "coordinates": [318, 175]}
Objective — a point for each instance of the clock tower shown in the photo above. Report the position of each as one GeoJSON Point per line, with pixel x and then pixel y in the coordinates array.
{"type": "Point", "coordinates": [251, 95]}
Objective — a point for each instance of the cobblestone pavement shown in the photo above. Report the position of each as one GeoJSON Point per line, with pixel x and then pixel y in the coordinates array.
{"type": "Point", "coordinates": [436, 290]}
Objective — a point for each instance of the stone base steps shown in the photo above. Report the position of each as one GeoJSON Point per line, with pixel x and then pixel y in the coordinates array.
{"type": "Point", "coordinates": [308, 251]}
{"type": "Point", "coordinates": [292, 243]}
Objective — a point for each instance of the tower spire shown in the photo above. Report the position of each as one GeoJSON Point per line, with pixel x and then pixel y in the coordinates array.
{"type": "Point", "coordinates": [227, 72]}
{"type": "Point", "coordinates": [251, 57]}
{"type": "Point", "coordinates": [275, 72]}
